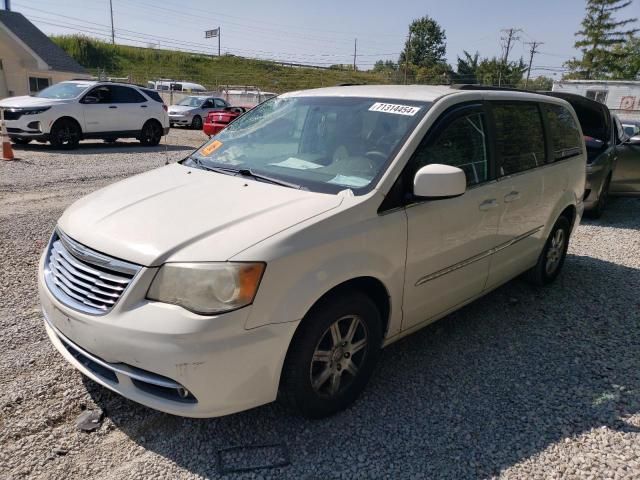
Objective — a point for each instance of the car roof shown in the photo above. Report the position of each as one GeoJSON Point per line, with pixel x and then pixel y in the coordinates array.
{"type": "Point", "coordinates": [424, 93]}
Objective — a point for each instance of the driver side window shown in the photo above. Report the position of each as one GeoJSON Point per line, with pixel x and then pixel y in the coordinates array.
{"type": "Point", "coordinates": [102, 93]}
{"type": "Point", "coordinates": [461, 143]}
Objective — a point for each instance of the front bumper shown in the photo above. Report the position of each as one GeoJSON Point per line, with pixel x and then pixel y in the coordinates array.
{"type": "Point", "coordinates": [148, 351]}
{"type": "Point", "coordinates": [593, 187]}
{"type": "Point", "coordinates": [180, 119]}
{"type": "Point", "coordinates": [27, 126]}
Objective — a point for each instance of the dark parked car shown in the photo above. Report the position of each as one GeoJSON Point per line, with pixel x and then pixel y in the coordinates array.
{"type": "Point", "coordinates": [603, 141]}
{"type": "Point", "coordinates": [626, 177]}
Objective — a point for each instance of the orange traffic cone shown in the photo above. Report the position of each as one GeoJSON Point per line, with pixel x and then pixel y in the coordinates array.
{"type": "Point", "coordinates": [7, 151]}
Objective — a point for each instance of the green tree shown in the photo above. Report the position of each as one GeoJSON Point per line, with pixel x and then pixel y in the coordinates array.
{"type": "Point", "coordinates": [385, 66]}
{"type": "Point", "coordinates": [467, 68]}
{"type": "Point", "coordinates": [600, 35]}
{"type": "Point", "coordinates": [426, 45]}
{"type": "Point", "coordinates": [627, 67]}
{"type": "Point", "coordinates": [488, 72]}
{"type": "Point", "coordinates": [542, 84]}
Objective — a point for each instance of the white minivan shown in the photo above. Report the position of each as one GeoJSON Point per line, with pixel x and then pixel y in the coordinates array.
{"type": "Point", "coordinates": [279, 258]}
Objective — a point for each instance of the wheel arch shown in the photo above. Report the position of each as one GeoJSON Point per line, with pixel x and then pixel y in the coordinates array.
{"type": "Point", "coordinates": [67, 117]}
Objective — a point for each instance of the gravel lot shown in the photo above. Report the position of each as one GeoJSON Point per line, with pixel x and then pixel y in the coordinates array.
{"type": "Point", "coordinates": [524, 383]}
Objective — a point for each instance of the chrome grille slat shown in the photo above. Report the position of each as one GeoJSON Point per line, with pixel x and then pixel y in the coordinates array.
{"type": "Point", "coordinates": [91, 287]}
{"type": "Point", "coordinates": [57, 261]}
{"type": "Point", "coordinates": [83, 279]}
{"type": "Point", "coordinates": [58, 248]}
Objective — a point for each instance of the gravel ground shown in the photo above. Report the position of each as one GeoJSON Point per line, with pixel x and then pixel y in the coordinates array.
{"type": "Point", "coordinates": [524, 383]}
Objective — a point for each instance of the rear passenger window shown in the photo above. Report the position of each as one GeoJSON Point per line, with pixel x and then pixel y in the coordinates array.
{"type": "Point", "coordinates": [564, 132]}
{"type": "Point", "coordinates": [519, 137]}
{"type": "Point", "coordinates": [462, 143]}
{"type": "Point", "coordinates": [125, 95]}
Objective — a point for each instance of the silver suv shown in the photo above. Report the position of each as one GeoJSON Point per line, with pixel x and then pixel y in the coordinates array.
{"type": "Point", "coordinates": [191, 111]}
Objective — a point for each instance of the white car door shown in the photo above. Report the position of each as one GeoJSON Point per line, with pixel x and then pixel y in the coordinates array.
{"type": "Point", "coordinates": [450, 240]}
{"type": "Point", "coordinates": [521, 156]}
{"type": "Point", "coordinates": [100, 113]}
{"type": "Point", "coordinates": [132, 107]}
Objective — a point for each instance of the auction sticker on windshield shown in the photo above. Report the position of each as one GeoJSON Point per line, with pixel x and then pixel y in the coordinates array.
{"type": "Point", "coordinates": [394, 108]}
{"type": "Point", "coordinates": [212, 147]}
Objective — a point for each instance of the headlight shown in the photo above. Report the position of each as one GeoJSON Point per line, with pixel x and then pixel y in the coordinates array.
{"type": "Point", "coordinates": [33, 111]}
{"type": "Point", "coordinates": [207, 288]}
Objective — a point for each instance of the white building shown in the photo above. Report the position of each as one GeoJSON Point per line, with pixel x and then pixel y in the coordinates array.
{"type": "Point", "coordinates": [621, 96]}
{"type": "Point", "coordinates": [29, 60]}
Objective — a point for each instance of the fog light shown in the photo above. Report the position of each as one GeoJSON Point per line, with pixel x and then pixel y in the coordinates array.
{"type": "Point", "coordinates": [34, 126]}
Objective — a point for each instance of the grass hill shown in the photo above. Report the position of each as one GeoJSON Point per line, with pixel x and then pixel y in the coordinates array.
{"type": "Point", "coordinates": [143, 64]}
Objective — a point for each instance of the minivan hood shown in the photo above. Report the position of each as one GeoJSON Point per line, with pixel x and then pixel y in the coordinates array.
{"type": "Point", "coordinates": [182, 214]}
{"type": "Point", "coordinates": [27, 101]}
{"type": "Point", "coordinates": [594, 117]}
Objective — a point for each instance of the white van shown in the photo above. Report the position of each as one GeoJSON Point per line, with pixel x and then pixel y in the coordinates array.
{"type": "Point", "coordinates": [280, 257]}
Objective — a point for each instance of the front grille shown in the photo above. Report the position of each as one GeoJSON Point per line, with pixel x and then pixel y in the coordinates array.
{"type": "Point", "coordinates": [12, 114]}
{"type": "Point", "coordinates": [84, 279]}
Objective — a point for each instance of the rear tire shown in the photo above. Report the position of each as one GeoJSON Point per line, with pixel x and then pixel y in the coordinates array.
{"type": "Point", "coordinates": [151, 133]}
{"type": "Point", "coordinates": [20, 141]}
{"type": "Point", "coordinates": [603, 200]}
{"type": "Point", "coordinates": [553, 254]}
{"type": "Point", "coordinates": [196, 123]}
{"type": "Point", "coordinates": [332, 355]}
{"type": "Point", "coordinates": [65, 134]}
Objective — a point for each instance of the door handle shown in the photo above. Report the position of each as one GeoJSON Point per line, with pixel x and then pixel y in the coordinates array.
{"type": "Point", "coordinates": [488, 204]}
{"type": "Point", "coordinates": [511, 197]}
{"type": "Point", "coordinates": [112, 106]}
{"type": "Point", "coordinates": [143, 106]}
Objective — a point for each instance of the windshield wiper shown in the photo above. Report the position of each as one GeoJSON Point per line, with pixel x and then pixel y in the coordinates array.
{"type": "Point", "coordinates": [244, 172]}
{"type": "Point", "coordinates": [247, 172]}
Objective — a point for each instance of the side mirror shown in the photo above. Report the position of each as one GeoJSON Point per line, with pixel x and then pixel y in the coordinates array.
{"type": "Point", "coordinates": [439, 181]}
{"type": "Point", "coordinates": [90, 99]}
{"type": "Point", "coordinates": [634, 140]}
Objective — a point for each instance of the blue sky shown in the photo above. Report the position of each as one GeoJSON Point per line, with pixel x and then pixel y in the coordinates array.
{"type": "Point", "coordinates": [321, 32]}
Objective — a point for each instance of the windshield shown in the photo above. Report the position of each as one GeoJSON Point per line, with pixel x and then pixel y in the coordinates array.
{"type": "Point", "coordinates": [324, 144]}
{"type": "Point", "coordinates": [63, 91]}
{"type": "Point", "coordinates": [191, 102]}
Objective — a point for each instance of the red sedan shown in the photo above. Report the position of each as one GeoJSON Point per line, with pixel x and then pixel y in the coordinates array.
{"type": "Point", "coordinates": [217, 121]}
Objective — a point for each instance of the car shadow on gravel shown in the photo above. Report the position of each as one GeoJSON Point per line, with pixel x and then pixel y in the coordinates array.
{"type": "Point", "coordinates": [477, 392]}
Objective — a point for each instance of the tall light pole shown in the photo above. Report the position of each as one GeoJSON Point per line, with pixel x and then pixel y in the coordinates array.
{"type": "Point", "coordinates": [113, 32]}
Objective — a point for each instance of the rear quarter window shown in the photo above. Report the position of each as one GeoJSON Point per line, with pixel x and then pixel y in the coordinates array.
{"type": "Point", "coordinates": [152, 94]}
{"type": "Point", "coordinates": [564, 132]}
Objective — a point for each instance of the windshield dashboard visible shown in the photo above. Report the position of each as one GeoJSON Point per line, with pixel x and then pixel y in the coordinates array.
{"type": "Point", "coordinates": [323, 144]}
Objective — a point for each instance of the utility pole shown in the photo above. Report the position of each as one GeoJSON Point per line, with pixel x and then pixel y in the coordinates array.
{"type": "Point", "coordinates": [355, 53]}
{"type": "Point", "coordinates": [219, 35]}
{"type": "Point", "coordinates": [512, 36]}
{"type": "Point", "coordinates": [406, 58]}
{"type": "Point", "coordinates": [113, 32]}
{"type": "Point", "coordinates": [533, 51]}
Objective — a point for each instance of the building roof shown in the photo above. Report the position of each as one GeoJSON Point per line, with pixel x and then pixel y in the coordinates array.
{"type": "Point", "coordinates": [38, 42]}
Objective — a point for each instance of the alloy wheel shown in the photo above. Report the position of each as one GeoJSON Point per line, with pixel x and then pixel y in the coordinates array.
{"type": "Point", "coordinates": [555, 251]}
{"type": "Point", "coordinates": [338, 356]}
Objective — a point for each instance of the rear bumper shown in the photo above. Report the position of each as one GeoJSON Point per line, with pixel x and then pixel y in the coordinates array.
{"type": "Point", "coordinates": [213, 128]}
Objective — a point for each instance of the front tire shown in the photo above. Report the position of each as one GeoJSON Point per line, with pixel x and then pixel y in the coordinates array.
{"type": "Point", "coordinates": [65, 133]}
{"type": "Point", "coordinates": [332, 355]}
{"type": "Point", "coordinates": [196, 123]}
{"type": "Point", "coordinates": [553, 254]}
{"type": "Point", "coordinates": [151, 133]}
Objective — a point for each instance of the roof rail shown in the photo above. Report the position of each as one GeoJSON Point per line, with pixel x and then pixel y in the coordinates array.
{"type": "Point", "coordinates": [467, 86]}
{"type": "Point", "coordinates": [350, 84]}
